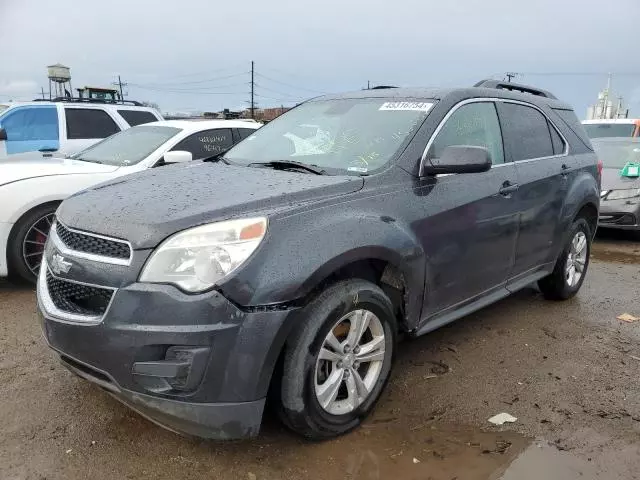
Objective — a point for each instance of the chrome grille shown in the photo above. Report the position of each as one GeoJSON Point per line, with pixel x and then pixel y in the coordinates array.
{"type": "Point", "coordinates": [77, 298]}
{"type": "Point", "coordinates": [92, 244]}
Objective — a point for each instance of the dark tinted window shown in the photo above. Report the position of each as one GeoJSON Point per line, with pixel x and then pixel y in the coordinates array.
{"type": "Point", "coordinates": [569, 117]}
{"type": "Point", "coordinates": [473, 124]}
{"type": "Point", "coordinates": [526, 131]}
{"type": "Point", "coordinates": [137, 117]}
{"type": "Point", "coordinates": [89, 123]}
{"type": "Point", "coordinates": [206, 143]}
{"type": "Point", "coordinates": [556, 140]}
{"type": "Point", "coordinates": [31, 124]}
{"type": "Point", "coordinates": [245, 132]}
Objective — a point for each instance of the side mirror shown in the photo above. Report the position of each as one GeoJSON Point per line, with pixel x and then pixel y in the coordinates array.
{"type": "Point", "coordinates": [3, 134]}
{"type": "Point", "coordinates": [177, 156]}
{"type": "Point", "coordinates": [459, 159]}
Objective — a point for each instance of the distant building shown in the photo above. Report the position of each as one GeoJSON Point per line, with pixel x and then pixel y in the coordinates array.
{"type": "Point", "coordinates": [268, 114]}
{"type": "Point", "coordinates": [606, 108]}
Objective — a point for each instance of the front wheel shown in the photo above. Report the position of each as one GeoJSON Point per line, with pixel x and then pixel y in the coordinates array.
{"type": "Point", "coordinates": [26, 245]}
{"type": "Point", "coordinates": [571, 267]}
{"type": "Point", "coordinates": [338, 360]}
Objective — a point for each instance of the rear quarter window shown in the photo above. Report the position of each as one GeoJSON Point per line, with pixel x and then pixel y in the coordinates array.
{"type": "Point", "coordinates": [137, 117]}
{"type": "Point", "coordinates": [571, 121]}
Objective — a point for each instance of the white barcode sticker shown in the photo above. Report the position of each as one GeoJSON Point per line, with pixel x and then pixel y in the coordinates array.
{"type": "Point", "coordinates": [407, 106]}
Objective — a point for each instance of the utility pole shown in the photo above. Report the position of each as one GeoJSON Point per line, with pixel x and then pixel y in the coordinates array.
{"type": "Point", "coordinates": [253, 106]}
{"type": "Point", "coordinates": [42, 90]}
{"type": "Point", "coordinates": [368, 85]}
{"type": "Point", "coordinates": [510, 75]}
{"type": "Point", "coordinates": [120, 84]}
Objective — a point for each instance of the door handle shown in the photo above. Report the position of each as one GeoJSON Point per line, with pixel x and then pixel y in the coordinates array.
{"type": "Point", "coordinates": [508, 188]}
{"type": "Point", "coordinates": [565, 171]}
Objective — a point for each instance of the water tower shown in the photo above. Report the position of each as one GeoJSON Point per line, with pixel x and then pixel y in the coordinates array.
{"type": "Point", "coordinates": [59, 77]}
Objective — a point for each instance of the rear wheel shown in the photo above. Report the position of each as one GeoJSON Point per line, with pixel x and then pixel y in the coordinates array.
{"type": "Point", "coordinates": [571, 267]}
{"type": "Point", "coordinates": [26, 245]}
{"type": "Point", "coordinates": [338, 360]}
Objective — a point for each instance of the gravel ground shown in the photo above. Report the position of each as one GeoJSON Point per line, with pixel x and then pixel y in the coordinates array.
{"type": "Point", "coordinates": [568, 372]}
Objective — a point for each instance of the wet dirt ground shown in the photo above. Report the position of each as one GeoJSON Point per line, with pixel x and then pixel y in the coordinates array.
{"type": "Point", "coordinates": [568, 371]}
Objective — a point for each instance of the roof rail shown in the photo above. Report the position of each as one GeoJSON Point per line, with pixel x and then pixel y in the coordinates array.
{"type": "Point", "coordinates": [89, 100]}
{"type": "Point", "coordinates": [382, 87]}
{"type": "Point", "coordinates": [516, 87]}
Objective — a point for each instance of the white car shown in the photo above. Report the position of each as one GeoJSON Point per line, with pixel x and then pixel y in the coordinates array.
{"type": "Point", "coordinates": [66, 126]}
{"type": "Point", "coordinates": [31, 189]}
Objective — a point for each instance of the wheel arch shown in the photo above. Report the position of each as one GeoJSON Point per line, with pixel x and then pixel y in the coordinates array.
{"type": "Point", "coordinates": [16, 225]}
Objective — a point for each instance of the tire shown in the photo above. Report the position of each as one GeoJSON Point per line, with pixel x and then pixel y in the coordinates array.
{"type": "Point", "coordinates": [23, 257]}
{"type": "Point", "coordinates": [299, 404]}
{"type": "Point", "coordinates": [557, 285]}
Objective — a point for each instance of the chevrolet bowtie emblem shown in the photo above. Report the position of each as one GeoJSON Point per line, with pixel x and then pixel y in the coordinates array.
{"type": "Point", "coordinates": [59, 264]}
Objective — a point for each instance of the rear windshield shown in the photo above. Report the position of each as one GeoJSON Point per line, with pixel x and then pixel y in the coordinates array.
{"type": "Point", "coordinates": [129, 146]}
{"type": "Point", "coordinates": [343, 136]}
{"type": "Point", "coordinates": [616, 152]}
{"type": "Point", "coordinates": [602, 130]}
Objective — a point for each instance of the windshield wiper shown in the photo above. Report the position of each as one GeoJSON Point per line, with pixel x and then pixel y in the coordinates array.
{"type": "Point", "coordinates": [217, 157]}
{"type": "Point", "coordinates": [283, 164]}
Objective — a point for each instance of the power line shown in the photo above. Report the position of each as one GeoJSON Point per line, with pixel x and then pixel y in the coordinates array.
{"type": "Point", "coordinates": [194, 82]}
{"type": "Point", "coordinates": [276, 91]}
{"type": "Point", "coordinates": [288, 84]}
{"type": "Point", "coordinates": [194, 89]}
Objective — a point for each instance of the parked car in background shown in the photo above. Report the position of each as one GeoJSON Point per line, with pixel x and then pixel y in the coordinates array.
{"type": "Point", "coordinates": [191, 292]}
{"type": "Point", "coordinates": [620, 203]}
{"type": "Point", "coordinates": [620, 127]}
{"type": "Point", "coordinates": [68, 126]}
{"type": "Point", "coordinates": [32, 189]}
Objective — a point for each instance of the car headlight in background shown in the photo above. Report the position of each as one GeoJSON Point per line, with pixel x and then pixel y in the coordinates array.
{"type": "Point", "coordinates": [622, 194]}
{"type": "Point", "coordinates": [198, 258]}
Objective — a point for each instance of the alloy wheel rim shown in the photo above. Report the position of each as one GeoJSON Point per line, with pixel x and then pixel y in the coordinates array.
{"type": "Point", "coordinates": [350, 362]}
{"type": "Point", "coordinates": [34, 242]}
{"type": "Point", "coordinates": [576, 259]}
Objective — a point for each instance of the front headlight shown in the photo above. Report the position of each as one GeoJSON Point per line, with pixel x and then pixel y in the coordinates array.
{"type": "Point", "coordinates": [198, 258]}
{"type": "Point", "coordinates": [622, 194]}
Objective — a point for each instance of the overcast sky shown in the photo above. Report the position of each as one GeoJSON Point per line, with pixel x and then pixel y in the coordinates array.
{"type": "Point", "coordinates": [193, 55]}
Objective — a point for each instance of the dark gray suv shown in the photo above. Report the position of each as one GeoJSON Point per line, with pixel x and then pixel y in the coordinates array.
{"type": "Point", "coordinates": [287, 266]}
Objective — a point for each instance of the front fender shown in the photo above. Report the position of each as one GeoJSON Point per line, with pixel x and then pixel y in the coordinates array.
{"type": "Point", "coordinates": [302, 250]}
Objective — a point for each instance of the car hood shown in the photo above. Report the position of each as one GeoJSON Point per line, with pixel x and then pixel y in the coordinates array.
{"type": "Point", "coordinates": [147, 207]}
{"type": "Point", "coordinates": [612, 180]}
{"type": "Point", "coordinates": [19, 167]}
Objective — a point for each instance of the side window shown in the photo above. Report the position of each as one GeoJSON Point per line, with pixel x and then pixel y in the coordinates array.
{"type": "Point", "coordinates": [472, 124]}
{"type": "Point", "coordinates": [31, 124]}
{"type": "Point", "coordinates": [556, 140]}
{"type": "Point", "coordinates": [137, 117]}
{"type": "Point", "coordinates": [206, 143]}
{"type": "Point", "coordinates": [245, 132]}
{"type": "Point", "coordinates": [84, 123]}
{"type": "Point", "coordinates": [526, 131]}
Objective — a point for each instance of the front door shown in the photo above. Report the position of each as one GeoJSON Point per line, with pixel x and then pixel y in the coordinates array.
{"type": "Point", "coordinates": [31, 128]}
{"type": "Point", "coordinates": [469, 233]}
{"type": "Point", "coordinates": [537, 150]}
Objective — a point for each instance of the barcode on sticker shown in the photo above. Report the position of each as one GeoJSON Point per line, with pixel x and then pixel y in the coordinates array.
{"type": "Point", "coordinates": [633, 171]}
{"type": "Point", "coordinates": [415, 106]}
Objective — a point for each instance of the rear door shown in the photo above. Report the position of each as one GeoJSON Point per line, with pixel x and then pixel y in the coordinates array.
{"type": "Point", "coordinates": [86, 126]}
{"type": "Point", "coordinates": [470, 232]}
{"type": "Point", "coordinates": [206, 143]}
{"type": "Point", "coordinates": [539, 153]}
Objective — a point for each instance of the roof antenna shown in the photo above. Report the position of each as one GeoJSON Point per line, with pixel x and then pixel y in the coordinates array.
{"type": "Point", "coordinates": [510, 75]}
